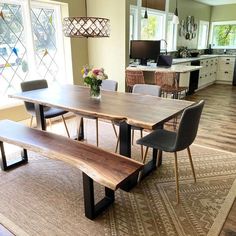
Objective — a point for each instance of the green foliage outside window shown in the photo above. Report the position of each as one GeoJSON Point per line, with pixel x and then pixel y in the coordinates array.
{"type": "Point", "coordinates": [149, 28]}
{"type": "Point", "coordinates": [224, 35]}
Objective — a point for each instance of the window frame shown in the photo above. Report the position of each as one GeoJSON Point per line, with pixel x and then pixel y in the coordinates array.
{"type": "Point", "coordinates": [62, 44]}
{"type": "Point", "coordinates": [202, 23]}
{"type": "Point", "coordinates": [134, 10]}
{"type": "Point", "coordinates": [211, 34]}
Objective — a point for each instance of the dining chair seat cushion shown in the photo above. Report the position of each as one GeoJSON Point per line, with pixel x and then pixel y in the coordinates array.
{"type": "Point", "coordinates": [164, 140]}
{"type": "Point", "coordinates": [50, 112]}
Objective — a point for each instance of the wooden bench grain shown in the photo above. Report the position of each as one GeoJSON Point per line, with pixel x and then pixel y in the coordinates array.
{"type": "Point", "coordinates": [108, 169]}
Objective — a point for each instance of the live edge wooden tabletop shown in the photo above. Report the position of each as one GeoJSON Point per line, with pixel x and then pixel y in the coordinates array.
{"type": "Point", "coordinates": [139, 110]}
{"type": "Point", "coordinates": [108, 169]}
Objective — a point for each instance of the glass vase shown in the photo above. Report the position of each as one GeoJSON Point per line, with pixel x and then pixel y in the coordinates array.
{"type": "Point", "coordinates": [95, 91]}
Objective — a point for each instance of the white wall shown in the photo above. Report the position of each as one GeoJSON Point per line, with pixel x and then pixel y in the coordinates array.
{"type": "Point", "coordinates": [110, 53]}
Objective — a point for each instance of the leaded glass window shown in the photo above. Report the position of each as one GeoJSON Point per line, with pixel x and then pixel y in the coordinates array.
{"type": "Point", "coordinates": [31, 45]}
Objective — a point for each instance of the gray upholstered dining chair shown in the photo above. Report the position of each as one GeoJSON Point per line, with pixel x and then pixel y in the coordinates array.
{"type": "Point", "coordinates": [169, 141]}
{"type": "Point", "coordinates": [109, 85]}
{"type": "Point", "coordinates": [145, 89]}
{"type": "Point", "coordinates": [49, 112]}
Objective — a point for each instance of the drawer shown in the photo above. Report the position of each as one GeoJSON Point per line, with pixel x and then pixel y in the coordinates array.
{"type": "Point", "coordinates": [226, 66]}
{"type": "Point", "coordinates": [227, 59]}
{"type": "Point", "coordinates": [225, 75]}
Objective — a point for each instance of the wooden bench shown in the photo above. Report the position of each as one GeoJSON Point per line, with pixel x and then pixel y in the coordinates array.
{"type": "Point", "coordinates": [108, 169]}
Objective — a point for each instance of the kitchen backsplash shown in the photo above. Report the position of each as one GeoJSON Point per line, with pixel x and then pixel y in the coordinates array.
{"type": "Point", "coordinates": [214, 51]}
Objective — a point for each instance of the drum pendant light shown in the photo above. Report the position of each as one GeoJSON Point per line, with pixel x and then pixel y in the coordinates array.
{"type": "Point", "coordinates": [84, 26]}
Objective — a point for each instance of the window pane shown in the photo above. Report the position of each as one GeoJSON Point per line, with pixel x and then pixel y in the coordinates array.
{"type": "Point", "coordinates": [171, 35]}
{"type": "Point", "coordinates": [224, 35]}
{"type": "Point", "coordinates": [13, 60]}
{"type": "Point", "coordinates": [45, 43]}
{"type": "Point", "coordinates": [152, 28]}
{"type": "Point", "coordinates": [203, 34]}
{"type": "Point", "coordinates": [131, 27]}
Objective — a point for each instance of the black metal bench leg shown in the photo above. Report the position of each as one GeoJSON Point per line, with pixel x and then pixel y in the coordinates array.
{"type": "Point", "coordinates": [5, 166]}
{"type": "Point", "coordinates": [92, 210]}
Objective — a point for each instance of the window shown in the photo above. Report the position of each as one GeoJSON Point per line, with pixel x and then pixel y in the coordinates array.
{"type": "Point", "coordinates": [171, 34]}
{"type": "Point", "coordinates": [203, 34]}
{"type": "Point", "coordinates": [153, 28]}
{"type": "Point", "coordinates": [31, 45]}
{"type": "Point", "coordinates": [223, 34]}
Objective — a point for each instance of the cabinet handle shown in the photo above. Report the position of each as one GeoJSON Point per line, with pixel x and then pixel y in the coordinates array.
{"type": "Point", "coordinates": [228, 59]}
{"type": "Point", "coordinates": [226, 72]}
{"type": "Point", "coordinates": [227, 63]}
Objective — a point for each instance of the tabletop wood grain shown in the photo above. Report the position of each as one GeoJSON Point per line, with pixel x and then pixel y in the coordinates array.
{"type": "Point", "coordinates": [140, 110]}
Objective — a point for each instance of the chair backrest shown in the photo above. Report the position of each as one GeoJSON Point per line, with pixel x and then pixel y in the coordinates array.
{"type": "Point", "coordinates": [147, 89]}
{"type": "Point", "coordinates": [110, 85]}
{"type": "Point", "coordinates": [32, 85]}
{"type": "Point", "coordinates": [165, 80]}
{"type": "Point", "coordinates": [133, 77]}
{"type": "Point", "coordinates": [188, 126]}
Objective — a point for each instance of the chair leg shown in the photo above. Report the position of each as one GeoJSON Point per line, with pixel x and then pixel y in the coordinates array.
{"type": "Point", "coordinates": [78, 126]}
{"type": "Point", "coordinates": [132, 139]}
{"type": "Point", "coordinates": [145, 155]}
{"type": "Point", "coordinates": [141, 135]}
{"type": "Point", "coordinates": [63, 118]}
{"type": "Point", "coordinates": [117, 142]}
{"type": "Point", "coordinates": [31, 121]}
{"type": "Point", "coordinates": [191, 163]}
{"type": "Point", "coordinates": [176, 177]}
{"type": "Point", "coordinates": [113, 125]}
{"type": "Point", "coordinates": [97, 141]}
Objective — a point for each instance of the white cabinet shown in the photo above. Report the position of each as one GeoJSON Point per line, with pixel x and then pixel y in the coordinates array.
{"type": "Point", "coordinates": [208, 72]}
{"type": "Point", "coordinates": [225, 69]}
{"type": "Point", "coordinates": [184, 77]}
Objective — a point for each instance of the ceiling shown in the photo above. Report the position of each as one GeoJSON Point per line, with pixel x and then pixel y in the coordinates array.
{"type": "Point", "coordinates": [217, 2]}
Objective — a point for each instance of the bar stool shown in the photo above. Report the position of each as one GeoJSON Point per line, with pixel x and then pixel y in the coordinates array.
{"type": "Point", "coordinates": [169, 84]}
{"type": "Point", "coordinates": [132, 77]}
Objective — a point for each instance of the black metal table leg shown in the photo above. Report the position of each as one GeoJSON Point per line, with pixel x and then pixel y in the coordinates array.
{"type": "Point", "coordinates": [81, 129]}
{"type": "Point", "coordinates": [125, 139]}
{"type": "Point", "coordinates": [152, 164]}
{"type": "Point", "coordinates": [125, 150]}
{"type": "Point", "coordinates": [5, 166]}
{"type": "Point", "coordinates": [41, 123]}
{"type": "Point", "coordinates": [92, 210]}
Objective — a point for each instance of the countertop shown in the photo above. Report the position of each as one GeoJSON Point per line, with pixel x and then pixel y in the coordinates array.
{"type": "Point", "coordinates": [173, 68]}
{"type": "Point", "coordinates": [189, 59]}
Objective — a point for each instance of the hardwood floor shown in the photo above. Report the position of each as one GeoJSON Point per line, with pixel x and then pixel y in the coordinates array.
{"type": "Point", "coordinates": [218, 122]}
{"type": "Point", "coordinates": [218, 129]}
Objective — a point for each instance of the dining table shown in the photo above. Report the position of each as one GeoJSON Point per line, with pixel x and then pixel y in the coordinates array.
{"type": "Point", "coordinates": [144, 111]}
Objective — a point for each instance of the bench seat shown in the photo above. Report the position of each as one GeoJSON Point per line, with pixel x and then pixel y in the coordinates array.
{"type": "Point", "coordinates": [108, 169]}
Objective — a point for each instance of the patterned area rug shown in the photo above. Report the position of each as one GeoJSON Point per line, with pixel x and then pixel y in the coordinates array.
{"type": "Point", "coordinates": [45, 196]}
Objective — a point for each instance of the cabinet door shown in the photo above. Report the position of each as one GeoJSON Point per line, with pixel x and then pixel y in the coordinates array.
{"type": "Point", "coordinates": [225, 69]}
{"type": "Point", "coordinates": [184, 77]}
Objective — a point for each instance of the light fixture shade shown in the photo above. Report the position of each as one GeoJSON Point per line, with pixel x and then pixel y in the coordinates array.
{"type": "Point", "coordinates": [175, 19]}
{"type": "Point", "coordinates": [86, 27]}
{"type": "Point", "coordinates": [145, 15]}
